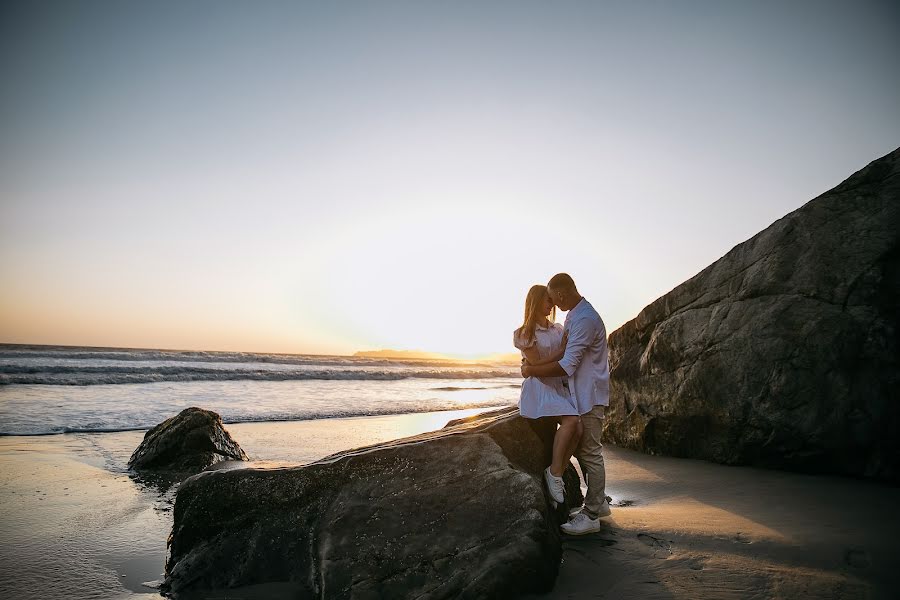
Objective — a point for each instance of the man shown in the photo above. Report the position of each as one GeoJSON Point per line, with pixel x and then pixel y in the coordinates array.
{"type": "Point", "coordinates": [586, 363]}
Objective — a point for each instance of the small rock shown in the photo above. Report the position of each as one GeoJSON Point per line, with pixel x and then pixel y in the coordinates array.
{"type": "Point", "coordinates": [188, 442]}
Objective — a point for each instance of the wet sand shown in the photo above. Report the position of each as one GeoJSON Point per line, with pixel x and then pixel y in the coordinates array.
{"type": "Point", "coordinates": [71, 528]}
{"type": "Point", "coordinates": [74, 524]}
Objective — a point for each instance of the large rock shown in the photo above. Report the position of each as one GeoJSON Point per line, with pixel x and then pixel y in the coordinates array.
{"type": "Point", "coordinates": [189, 442]}
{"type": "Point", "coordinates": [784, 352]}
{"type": "Point", "coordinates": [456, 513]}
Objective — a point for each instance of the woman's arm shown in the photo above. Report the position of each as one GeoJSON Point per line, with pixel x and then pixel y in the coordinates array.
{"type": "Point", "coordinates": [532, 357]}
{"type": "Point", "coordinates": [534, 360]}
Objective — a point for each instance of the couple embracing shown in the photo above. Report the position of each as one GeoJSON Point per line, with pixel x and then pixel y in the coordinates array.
{"type": "Point", "coordinates": [566, 371]}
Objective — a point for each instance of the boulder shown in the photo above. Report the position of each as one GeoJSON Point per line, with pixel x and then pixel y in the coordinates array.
{"type": "Point", "coordinates": [461, 512]}
{"type": "Point", "coordinates": [783, 353]}
{"type": "Point", "coordinates": [483, 415]}
{"type": "Point", "coordinates": [189, 442]}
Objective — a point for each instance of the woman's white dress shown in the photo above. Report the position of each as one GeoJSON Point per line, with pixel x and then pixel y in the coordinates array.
{"type": "Point", "coordinates": [547, 397]}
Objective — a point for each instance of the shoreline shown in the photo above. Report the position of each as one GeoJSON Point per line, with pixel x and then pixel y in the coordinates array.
{"type": "Point", "coordinates": [100, 431]}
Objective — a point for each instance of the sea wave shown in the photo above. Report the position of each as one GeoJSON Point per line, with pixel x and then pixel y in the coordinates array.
{"type": "Point", "coordinates": [276, 417]}
{"type": "Point", "coordinates": [140, 355]}
{"type": "Point", "coordinates": [104, 375]}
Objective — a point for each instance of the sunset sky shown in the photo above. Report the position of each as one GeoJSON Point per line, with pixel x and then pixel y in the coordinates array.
{"type": "Point", "coordinates": [333, 177]}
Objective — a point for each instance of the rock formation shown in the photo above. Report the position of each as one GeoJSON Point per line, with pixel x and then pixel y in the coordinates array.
{"type": "Point", "coordinates": [783, 353]}
{"type": "Point", "coordinates": [456, 513]}
{"type": "Point", "coordinates": [186, 443]}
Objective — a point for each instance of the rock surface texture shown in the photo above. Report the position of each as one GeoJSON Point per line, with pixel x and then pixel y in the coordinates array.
{"type": "Point", "coordinates": [188, 442]}
{"type": "Point", "coordinates": [455, 513]}
{"type": "Point", "coordinates": [784, 352]}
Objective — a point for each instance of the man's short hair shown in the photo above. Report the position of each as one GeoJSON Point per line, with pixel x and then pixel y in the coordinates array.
{"type": "Point", "coordinates": [562, 281]}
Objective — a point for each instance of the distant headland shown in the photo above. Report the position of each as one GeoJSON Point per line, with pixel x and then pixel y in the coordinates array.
{"type": "Point", "coordinates": [421, 355]}
{"type": "Point", "coordinates": [407, 354]}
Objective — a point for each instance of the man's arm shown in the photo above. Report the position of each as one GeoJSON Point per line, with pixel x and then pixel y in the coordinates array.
{"type": "Point", "coordinates": [533, 357]}
{"type": "Point", "coordinates": [581, 333]}
{"type": "Point", "coordinates": [546, 370]}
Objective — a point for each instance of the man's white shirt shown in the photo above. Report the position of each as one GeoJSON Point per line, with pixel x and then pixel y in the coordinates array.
{"type": "Point", "coordinates": [586, 360]}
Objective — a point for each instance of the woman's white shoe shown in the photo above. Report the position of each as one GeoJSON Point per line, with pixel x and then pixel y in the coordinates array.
{"type": "Point", "coordinates": [555, 485]}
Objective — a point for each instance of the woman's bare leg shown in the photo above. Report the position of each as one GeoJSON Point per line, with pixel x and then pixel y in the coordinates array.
{"type": "Point", "coordinates": [564, 443]}
{"type": "Point", "coordinates": [576, 439]}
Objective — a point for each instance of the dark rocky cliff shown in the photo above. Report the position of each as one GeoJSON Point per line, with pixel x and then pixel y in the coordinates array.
{"type": "Point", "coordinates": [784, 352]}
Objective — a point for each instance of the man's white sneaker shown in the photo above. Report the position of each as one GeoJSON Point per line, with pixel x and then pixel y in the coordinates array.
{"type": "Point", "coordinates": [555, 486]}
{"type": "Point", "coordinates": [603, 511]}
{"type": "Point", "coordinates": [581, 524]}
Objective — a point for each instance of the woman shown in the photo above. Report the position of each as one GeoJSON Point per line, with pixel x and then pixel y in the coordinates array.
{"type": "Point", "coordinates": [542, 341]}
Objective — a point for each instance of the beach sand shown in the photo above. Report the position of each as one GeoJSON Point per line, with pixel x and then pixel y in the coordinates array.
{"type": "Point", "coordinates": [685, 528]}
{"type": "Point", "coordinates": [75, 524]}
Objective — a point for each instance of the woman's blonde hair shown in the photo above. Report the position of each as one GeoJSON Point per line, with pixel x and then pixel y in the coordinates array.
{"type": "Point", "coordinates": [533, 312]}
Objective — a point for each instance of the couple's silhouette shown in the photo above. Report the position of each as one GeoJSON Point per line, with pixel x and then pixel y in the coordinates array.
{"type": "Point", "coordinates": [566, 371]}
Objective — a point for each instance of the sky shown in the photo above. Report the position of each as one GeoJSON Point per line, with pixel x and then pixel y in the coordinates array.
{"type": "Point", "coordinates": [332, 177]}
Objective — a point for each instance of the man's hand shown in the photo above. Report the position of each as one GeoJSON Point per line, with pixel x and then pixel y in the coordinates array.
{"type": "Point", "coordinates": [525, 370]}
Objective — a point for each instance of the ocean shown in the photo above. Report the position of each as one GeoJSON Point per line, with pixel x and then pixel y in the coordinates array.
{"type": "Point", "coordinates": [53, 390]}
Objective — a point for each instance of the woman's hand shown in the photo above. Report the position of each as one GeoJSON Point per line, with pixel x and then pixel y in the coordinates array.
{"type": "Point", "coordinates": [532, 356]}
{"type": "Point", "coordinates": [562, 349]}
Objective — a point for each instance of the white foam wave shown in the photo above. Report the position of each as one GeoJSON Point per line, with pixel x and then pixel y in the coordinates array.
{"type": "Point", "coordinates": [90, 375]}
{"type": "Point", "coordinates": [15, 352]}
{"type": "Point", "coordinates": [302, 415]}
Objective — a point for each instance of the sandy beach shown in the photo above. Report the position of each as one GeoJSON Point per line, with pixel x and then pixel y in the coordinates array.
{"type": "Point", "coordinates": [76, 525]}
{"type": "Point", "coordinates": [685, 528]}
